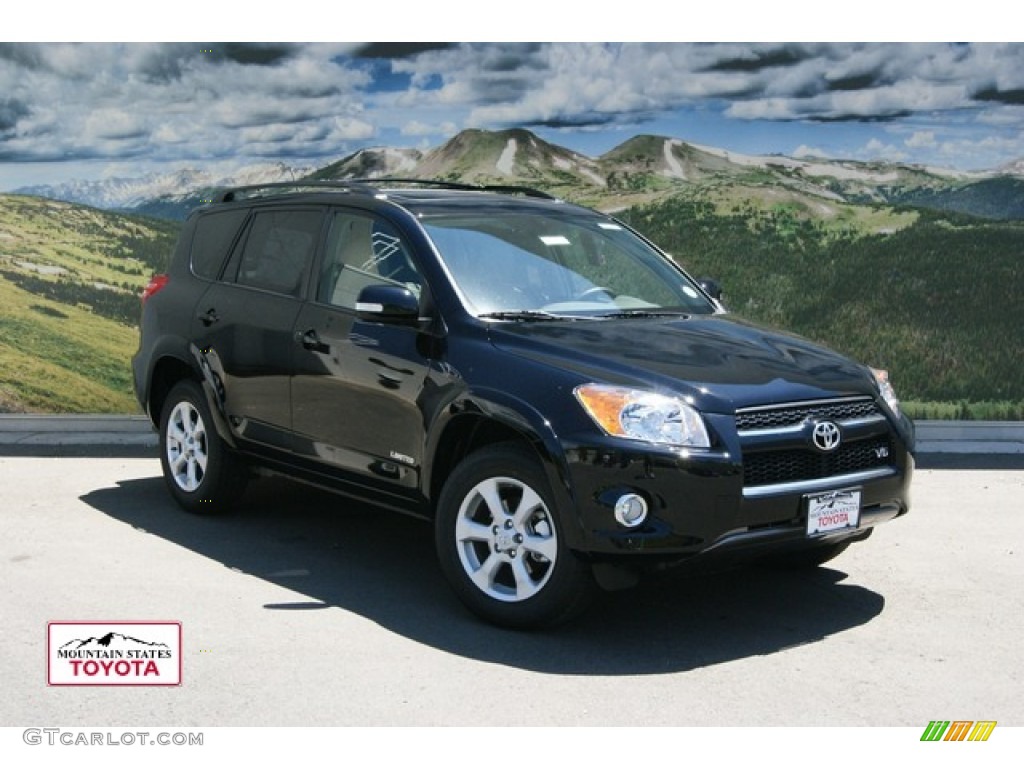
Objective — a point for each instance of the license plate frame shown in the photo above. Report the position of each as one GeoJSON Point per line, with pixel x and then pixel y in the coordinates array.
{"type": "Point", "coordinates": [830, 512]}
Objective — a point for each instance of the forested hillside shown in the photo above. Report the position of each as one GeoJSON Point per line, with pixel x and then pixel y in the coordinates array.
{"type": "Point", "coordinates": [938, 301]}
{"type": "Point", "coordinates": [937, 298]}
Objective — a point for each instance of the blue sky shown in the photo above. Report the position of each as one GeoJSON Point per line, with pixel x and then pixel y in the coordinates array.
{"type": "Point", "coordinates": [95, 110]}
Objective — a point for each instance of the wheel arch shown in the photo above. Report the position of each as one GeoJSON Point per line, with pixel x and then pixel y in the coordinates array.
{"type": "Point", "coordinates": [201, 471]}
{"type": "Point", "coordinates": [167, 371]}
{"type": "Point", "coordinates": [476, 423]}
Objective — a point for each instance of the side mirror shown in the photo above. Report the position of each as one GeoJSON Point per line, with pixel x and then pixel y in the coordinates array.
{"type": "Point", "coordinates": [711, 288]}
{"type": "Point", "coordinates": [387, 304]}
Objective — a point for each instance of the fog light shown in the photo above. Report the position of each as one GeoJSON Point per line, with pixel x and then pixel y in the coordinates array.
{"type": "Point", "coordinates": [630, 510]}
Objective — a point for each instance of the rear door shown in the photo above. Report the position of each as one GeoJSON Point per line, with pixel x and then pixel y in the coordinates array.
{"type": "Point", "coordinates": [244, 323]}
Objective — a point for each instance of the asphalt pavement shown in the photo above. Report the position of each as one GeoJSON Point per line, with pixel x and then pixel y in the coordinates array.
{"type": "Point", "coordinates": [304, 608]}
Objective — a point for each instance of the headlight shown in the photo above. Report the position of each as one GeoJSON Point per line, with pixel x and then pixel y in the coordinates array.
{"type": "Point", "coordinates": [640, 415]}
{"type": "Point", "coordinates": [885, 390]}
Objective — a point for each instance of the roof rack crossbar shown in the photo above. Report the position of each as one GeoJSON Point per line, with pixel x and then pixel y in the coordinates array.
{"type": "Point", "coordinates": [516, 189]}
{"type": "Point", "coordinates": [253, 190]}
{"type": "Point", "coordinates": [441, 184]}
{"type": "Point", "coordinates": [457, 185]}
{"type": "Point", "coordinates": [371, 187]}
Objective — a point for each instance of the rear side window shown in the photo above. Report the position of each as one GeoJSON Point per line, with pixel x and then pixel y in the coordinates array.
{"type": "Point", "coordinates": [215, 232]}
{"type": "Point", "coordinates": [279, 250]}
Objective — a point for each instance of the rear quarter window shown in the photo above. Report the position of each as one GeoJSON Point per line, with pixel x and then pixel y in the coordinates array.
{"type": "Point", "coordinates": [215, 232]}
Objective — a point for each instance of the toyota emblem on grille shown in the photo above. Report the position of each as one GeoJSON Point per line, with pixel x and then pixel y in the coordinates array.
{"type": "Point", "coordinates": [826, 436]}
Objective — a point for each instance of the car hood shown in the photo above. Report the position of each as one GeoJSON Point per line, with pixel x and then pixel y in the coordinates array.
{"type": "Point", "coordinates": [722, 362]}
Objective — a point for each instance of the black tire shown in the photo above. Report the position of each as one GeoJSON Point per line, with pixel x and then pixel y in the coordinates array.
{"type": "Point", "coordinates": [509, 565]}
{"type": "Point", "coordinates": [201, 473]}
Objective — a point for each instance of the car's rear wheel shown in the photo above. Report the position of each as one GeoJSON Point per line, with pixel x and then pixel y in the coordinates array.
{"type": "Point", "coordinates": [200, 471]}
{"type": "Point", "coordinates": [501, 544]}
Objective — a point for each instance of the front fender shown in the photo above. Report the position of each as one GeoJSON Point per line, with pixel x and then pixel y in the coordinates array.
{"type": "Point", "coordinates": [498, 407]}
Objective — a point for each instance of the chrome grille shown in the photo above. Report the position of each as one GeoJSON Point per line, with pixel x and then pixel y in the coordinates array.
{"type": "Point", "coordinates": [794, 414]}
{"type": "Point", "coordinates": [777, 447]}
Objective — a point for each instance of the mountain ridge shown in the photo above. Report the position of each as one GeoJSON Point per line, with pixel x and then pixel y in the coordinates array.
{"type": "Point", "coordinates": [932, 296]}
{"type": "Point", "coordinates": [642, 168]}
{"type": "Point", "coordinates": [136, 194]}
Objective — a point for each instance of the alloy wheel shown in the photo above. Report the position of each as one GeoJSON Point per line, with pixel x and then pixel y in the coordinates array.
{"type": "Point", "coordinates": [186, 446]}
{"type": "Point", "coordinates": [506, 541]}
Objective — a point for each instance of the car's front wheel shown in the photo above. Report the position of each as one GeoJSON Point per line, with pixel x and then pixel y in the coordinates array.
{"type": "Point", "coordinates": [199, 469]}
{"type": "Point", "coordinates": [501, 544]}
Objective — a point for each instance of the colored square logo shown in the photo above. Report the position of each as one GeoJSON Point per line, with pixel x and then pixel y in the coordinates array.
{"type": "Point", "coordinates": [113, 653]}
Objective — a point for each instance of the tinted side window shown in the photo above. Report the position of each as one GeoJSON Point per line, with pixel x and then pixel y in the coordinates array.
{"type": "Point", "coordinates": [279, 250]}
{"type": "Point", "coordinates": [214, 234]}
{"type": "Point", "coordinates": [363, 250]}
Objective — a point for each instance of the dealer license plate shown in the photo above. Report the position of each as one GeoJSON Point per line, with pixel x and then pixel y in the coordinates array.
{"type": "Point", "coordinates": [833, 511]}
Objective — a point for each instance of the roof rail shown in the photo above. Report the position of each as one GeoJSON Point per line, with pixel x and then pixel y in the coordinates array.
{"type": "Point", "coordinates": [504, 188]}
{"type": "Point", "coordinates": [255, 190]}
{"type": "Point", "coordinates": [370, 187]}
{"type": "Point", "coordinates": [514, 189]}
{"type": "Point", "coordinates": [440, 183]}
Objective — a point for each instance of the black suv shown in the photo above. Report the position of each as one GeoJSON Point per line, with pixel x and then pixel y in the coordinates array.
{"type": "Point", "coordinates": [566, 404]}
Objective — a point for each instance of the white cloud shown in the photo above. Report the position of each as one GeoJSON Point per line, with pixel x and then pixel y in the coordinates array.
{"type": "Point", "coordinates": [595, 82]}
{"type": "Point", "coordinates": [983, 152]}
{"type": "Point", "coordinates": [349, 128]}
{"type": "Point", "coordinates": [806, 152]}
{"type": "Point", "coordinates": [877, 149]}
{"type": "Point", "coordinates": [921, 140]}
{"type": "Point", "coordinates": [418, 128]}
{"type": "Point", "coordinates": [105, 100]}
{"type": "Point", "coordinates": [176, 101]}
{"type": "Point", "coordinates": [114, 124]}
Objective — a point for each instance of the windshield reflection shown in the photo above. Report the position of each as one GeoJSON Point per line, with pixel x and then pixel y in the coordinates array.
{"type": "Point", "coordinates": [508, 263]}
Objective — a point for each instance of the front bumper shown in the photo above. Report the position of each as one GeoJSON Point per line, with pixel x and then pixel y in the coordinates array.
{"type": "Point", "coordinates": [701, 503]}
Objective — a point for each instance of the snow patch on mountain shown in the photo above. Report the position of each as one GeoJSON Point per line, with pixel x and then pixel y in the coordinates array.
{"type": "Point", "coordinates": [675, 168]}
{"type": "Point", "coordinates": [127, 193]}
{"type": "Point", "coordinates": [508, 156]}
{"type": "Point", "coordinates": [595, 177]}
{"type": "Point", "coordinates": [754, 161]}
{"type": "Point", "coordinates": [1016, 168]}
{"type": "Point", "coordinates": [400, 159]}
{"type": "Point", "coordinates": [386, 161]}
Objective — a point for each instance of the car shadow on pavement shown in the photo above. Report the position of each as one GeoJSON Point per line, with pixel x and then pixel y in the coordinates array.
{"type": "Point", "coordinates": [381, 566]}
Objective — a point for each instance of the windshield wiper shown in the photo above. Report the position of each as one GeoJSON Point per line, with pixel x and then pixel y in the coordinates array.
{"type": "Point", "coordinates": [522, 314]}
{"type": "Point", "coordinates": [534, 315]}
{"type": "Point", "coordinates": [648, 313]}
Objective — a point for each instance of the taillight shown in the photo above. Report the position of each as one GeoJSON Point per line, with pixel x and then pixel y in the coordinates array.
{"type": "Point", "coordinates": [156, 282]}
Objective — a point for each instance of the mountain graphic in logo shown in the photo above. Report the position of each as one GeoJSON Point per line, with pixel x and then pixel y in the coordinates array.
{"type": "Point", "coordinates": [113, 653]}
{"type": "Point", "coordinates": [110, 641]}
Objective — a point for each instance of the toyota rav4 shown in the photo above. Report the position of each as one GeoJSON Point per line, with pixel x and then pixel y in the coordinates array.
{"type": "Point", "coordinates": [561, 399]}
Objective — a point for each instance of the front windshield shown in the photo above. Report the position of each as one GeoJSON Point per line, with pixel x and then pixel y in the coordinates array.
{"type": "Point", "coordinates": [577, 266]}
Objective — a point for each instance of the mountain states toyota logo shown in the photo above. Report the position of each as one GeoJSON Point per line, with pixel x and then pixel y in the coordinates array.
{"type": "Point", "coordinates": [121, 653]}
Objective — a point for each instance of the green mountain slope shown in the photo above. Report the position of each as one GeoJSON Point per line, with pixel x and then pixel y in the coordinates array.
{"type": "Point", "coordinates": [70, 279]}
{"type": "Point", "coordinates": [999, 198]}
{"type": "Point", "coordinates": [937, 300]}
{"type": "Point", "coordinates": [648, 168]}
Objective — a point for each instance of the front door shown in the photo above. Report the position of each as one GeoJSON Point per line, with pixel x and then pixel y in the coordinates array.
{"type": "Point", "coordinates": [358, 386]}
